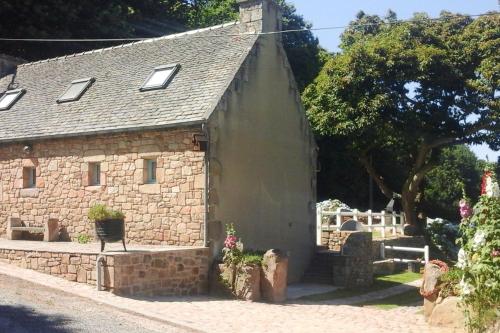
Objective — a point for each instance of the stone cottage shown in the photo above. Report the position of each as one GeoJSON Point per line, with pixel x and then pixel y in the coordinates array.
{"type": "Point", "coordinates": [183, 133]}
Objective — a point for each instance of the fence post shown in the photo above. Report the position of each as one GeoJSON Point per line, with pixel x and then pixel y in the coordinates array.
{"type": "Point", "coordinates": [382, 217]}
{"type": "Point", "coordinates": [402, 221]}
{"type": "Point", "coordinates": [370, 217]}
{"type": "Point", "coordinates": [382, 250]}
{"type": "Point", "coordinates": [319, 224]}
{"type": "Point", "coordinates": [338, 219]}
{"type": "Point", "coordinates": [355, 215]}
{"type": "Point", "coordinates": [382, 223]}
{"type": "Point", "coordinates": [394, 223]}
{"type": "Point", "coordinates": [426, 253]}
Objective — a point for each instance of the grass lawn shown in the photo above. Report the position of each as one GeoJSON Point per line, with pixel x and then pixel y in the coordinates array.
{"type": "Point", "coordinates": [380, 282]}
{"type": "Point", "coordinates": [407, 298]}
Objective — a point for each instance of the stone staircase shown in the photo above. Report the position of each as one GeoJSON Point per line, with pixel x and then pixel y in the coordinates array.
{"type": "Point", "coordinates": [320, 269]}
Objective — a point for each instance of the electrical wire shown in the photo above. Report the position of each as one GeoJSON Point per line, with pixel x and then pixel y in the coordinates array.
{"type": "Point", "coordinates": [134, 39]}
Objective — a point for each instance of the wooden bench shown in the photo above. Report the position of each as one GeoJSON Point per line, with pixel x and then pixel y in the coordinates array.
{"type": "Point", "coordinates": [15, 228]}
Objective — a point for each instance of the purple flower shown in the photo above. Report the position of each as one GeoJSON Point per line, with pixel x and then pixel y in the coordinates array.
{"type": "Point", "coordinates": [465, 209]}
{"type": "Point", "coordinates": [230, 241]}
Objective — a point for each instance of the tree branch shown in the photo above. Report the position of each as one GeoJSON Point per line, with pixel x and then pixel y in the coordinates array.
{"type": "Point", "coordinates": [376, 177]}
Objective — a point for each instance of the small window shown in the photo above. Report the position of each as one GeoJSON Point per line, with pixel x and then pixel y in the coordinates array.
{"type": "Point", "coordinates": [160, 77]}
{"type": "Point", "coordinates": [10, 97]}
{"type": "Point", "coordinates": [29, 177]}
{"type": "Point", "coordinates": [150, 166]}
{"type": "Point", "coordinates": [94, 174]}
{"type": "Point", "coordinates": [75, 90]}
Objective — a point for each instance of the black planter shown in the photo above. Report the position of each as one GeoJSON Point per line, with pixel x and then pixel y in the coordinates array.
{"type": "Point", "coordinates": [110, 231]}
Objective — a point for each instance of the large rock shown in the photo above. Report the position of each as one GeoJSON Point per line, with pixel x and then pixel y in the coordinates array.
{"type": "Point", "coordinates": [430, 282]}
{"type": "Point", "coordinates": [274, 276]}
{"type": "Point", "coordinates": [447, 312]}
{"type": "Point", "coordinates": [247, 282]}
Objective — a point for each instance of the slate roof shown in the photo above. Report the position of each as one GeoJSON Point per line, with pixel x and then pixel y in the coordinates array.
{"type": "Point", "coordinates": [114, 102]}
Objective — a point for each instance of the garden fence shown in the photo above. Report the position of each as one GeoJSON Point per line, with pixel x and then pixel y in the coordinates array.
{"type": "Point", "coordinates": [327, 220]}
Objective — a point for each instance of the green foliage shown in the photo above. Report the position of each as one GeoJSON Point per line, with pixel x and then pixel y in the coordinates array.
{"type": "Point", "coordinates": [80, 19]}
{"type": "Point", "coordinates": [401, 92]}
{"type": "Point", "coordinates": [449, 282]}
{"type": "Point", "coordinates": [206, 13]}
{"type": "Point", "coordinates": [84, 239]}
{"type": "Point", "coordinates": [100, 212]}
{"type": "Point", "coordinates": [457, 168]}
{"type": "Point", "coordinates": [480, 287]}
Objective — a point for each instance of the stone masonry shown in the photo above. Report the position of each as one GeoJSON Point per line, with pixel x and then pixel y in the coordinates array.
{"type": "Point", "coordinates": [171, 211]}
{"type": "Point", "coordinates": [173, 272]}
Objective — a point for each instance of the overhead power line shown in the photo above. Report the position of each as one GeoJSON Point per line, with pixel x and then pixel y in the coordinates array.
{"type": "Point", "coordinates": [135, 39]}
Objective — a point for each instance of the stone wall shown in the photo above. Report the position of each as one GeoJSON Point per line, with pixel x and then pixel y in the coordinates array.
{"type": "Point", "coordinates": [172, 272]}
{"type": "Point", "coordinates": [168, 212]}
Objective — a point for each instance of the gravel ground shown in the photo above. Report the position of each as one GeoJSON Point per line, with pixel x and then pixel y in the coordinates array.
{"type": "Point", "coordinates": [30, 308]}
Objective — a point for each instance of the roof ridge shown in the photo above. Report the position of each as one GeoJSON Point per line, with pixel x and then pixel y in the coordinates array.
{"type": "Point", "coordinates": [148, 40]}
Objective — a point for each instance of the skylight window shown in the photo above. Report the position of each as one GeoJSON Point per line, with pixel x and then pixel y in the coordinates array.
{"type": "Point", "coordinates": [10, 97]}
{"type": "Point", "coordinates": [75, 90]}
{"type": "Point", "coordinates": [160, 77]}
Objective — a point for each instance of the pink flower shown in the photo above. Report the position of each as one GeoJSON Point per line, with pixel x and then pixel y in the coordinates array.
{"type": "Point", "coordinates": [495, 253]}
{"type": "Point", "coordinates": [465, 209]}
{"type": "Point", "coordinates": [230, 242]}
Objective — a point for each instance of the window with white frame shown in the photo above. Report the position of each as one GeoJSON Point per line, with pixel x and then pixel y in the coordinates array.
{"type": "Point", "coordinates": [75, 90]}
{"type": "Point", "coordinates": [8, 98]}
{"type": "Point", "coordinates": [160, 77]}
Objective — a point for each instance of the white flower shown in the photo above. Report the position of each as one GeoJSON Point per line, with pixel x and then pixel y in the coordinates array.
{"type": "Point", "coordinates": [479, 239]}
{"type": "Point", "coordinates": [466, 287]}
{"type": "Point", "coordinates": [462, 259]}
{"type": "Point", "coordinates": [492, 189]}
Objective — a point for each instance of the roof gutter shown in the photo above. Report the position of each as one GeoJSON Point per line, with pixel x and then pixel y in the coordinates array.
{"type": "Point", "coordinates": [105, 131]}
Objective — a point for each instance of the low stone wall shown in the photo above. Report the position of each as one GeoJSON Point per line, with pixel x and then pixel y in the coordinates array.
{"type": "Point", "coordinates": [171, 272]}
{"type": "Point", "coordinates": [352, 266]}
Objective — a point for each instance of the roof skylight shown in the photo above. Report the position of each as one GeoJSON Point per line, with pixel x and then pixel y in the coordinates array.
{"type": "Point", "coordinates": [10, 97]}
{"type": "Point", "coordinates": [75, 90]}
{"type": "Point", "coordinates": [160, 77]}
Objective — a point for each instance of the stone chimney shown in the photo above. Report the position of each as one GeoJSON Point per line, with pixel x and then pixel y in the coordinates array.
{"type": "Point", "coordinates": [259, 16]}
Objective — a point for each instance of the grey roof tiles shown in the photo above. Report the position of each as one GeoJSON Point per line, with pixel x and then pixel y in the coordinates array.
{"type": "Point", "coordinates": [208, 59]}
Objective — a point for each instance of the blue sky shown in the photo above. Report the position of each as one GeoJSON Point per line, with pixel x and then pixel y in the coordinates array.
{"type": "Point", "coordinates": [328, 13]}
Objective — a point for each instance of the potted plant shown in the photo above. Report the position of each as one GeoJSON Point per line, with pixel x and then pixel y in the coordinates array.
{"type": "Point", "coordinates": [109, 224]}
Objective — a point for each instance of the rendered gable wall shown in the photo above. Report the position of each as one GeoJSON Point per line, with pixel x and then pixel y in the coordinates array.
{"type": "Point", "coordinates": [262, 161]}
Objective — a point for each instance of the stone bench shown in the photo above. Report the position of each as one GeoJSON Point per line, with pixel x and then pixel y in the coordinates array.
{"type": "Point", "coordinates": [15, 228]}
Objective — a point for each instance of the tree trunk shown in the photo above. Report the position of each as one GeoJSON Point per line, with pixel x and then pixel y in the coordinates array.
{"type": "Point", "coordinates": [408, 201]}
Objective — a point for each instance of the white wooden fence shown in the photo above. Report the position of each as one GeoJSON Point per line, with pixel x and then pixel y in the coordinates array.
{"type": "Point", "coordinates": [424, 250]}
{"type": "Point", "coordinates": [374, 221]}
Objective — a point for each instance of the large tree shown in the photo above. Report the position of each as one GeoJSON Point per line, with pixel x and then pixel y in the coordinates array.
{"type": "Point", "coordinates": [63, 19]}
{"type": "Point", "coordinates": [403, 91]}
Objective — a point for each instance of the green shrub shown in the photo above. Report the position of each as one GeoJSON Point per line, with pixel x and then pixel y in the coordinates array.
{"type": "Point", "coordinates": [84, 239]}
{"type": "Point", "coordinates": [449, 282]}
{"type": "Point", "coordinates": [100, 212]}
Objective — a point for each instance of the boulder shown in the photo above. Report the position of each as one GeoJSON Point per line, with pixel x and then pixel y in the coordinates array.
{"type": "Point", "coordinates": [247, 282]}
{"type": "Point", "coordinates": [430, 282]}
{"type": "Point", "coordinates": [447, 312]}
{"type": "Point", "coordinates": [428, 307]}
{"type": "Point", "coordinates": [274, 276]}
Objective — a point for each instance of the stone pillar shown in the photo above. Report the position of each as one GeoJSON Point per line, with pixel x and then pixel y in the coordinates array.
{"type": "Point", "coordinates": [274, 276]}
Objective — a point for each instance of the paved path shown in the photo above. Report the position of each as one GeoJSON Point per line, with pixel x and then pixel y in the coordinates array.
{"type": "Point", "coordinates": [26, 307]}
{"type": "Point", "coordinates": [215, 315]}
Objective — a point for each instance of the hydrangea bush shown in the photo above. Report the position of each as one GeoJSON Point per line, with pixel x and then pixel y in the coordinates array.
{"type": "Point", "coordinates": [479, 257]}
{"type": "Point", "coordinates": [443, 234]}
